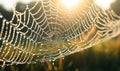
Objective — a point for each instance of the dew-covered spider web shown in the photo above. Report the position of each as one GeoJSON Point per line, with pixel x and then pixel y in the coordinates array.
{"type": "Point", "coordinates": [45, 30]}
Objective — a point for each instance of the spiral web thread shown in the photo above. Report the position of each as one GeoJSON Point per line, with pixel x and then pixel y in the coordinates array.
{"type": "Point", "coordinates": [45, 30]}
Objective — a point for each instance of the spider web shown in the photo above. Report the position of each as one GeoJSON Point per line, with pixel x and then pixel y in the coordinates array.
{"type": "Point", "coordinates": [45, 30]}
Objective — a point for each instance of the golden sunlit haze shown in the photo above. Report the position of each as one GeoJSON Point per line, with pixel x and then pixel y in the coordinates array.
{"type": "Point", "coordinates": [70, 3]}
{"type": "Point", "coordinates": [104, 3]}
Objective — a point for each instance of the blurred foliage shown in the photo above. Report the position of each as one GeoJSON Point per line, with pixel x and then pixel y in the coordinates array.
{"type": "Point", "coordinates": [102, 57]}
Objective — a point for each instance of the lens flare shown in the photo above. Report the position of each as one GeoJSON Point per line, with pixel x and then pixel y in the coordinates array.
{"type": "Point", "coordinates": [104, 3]}
{"type": "Point", "coordinates": [9, 4]}
{"type": "Point", "coordinates": [70, 3]}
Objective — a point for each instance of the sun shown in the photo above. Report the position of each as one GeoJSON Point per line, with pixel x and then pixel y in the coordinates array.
{"type": "Point", "coordinates": [104, 3]}
{"type": "Point", "coordinates": [70, 3]}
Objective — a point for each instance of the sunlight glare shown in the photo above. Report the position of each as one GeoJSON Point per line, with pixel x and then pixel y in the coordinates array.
{"type": "Point", "coordinates": [70, 3]}
{"type": "Point", "coordinates": [104, 3]}
{"type": "Point", "coordinates": [9, 4]}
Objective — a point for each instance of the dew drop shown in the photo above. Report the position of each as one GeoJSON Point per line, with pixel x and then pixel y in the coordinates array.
{"type": "Point", "coordinates": [53, 63]}
{"type": "Point", "coordinates": [1, 15]}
